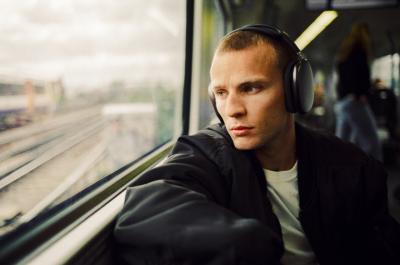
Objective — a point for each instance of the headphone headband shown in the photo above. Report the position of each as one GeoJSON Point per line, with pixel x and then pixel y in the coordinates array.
{"type": "Point", "coordinates": [267, 30]}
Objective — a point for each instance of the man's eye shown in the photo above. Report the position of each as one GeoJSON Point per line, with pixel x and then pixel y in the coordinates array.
{"type": "Point", "coordinates": [220, 93]}
{"type": "Point", "coordinates": [251, 89]}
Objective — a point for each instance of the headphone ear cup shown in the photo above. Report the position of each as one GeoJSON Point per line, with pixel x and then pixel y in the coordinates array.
{"type": "Point", "coordinates": [214, 104]}
{"type": "Point", "coordinates": [304, 87]}
{"type": "Point", "coordinates": [299, 90]}
{"type": "Point", "coordinates": [289, 84]}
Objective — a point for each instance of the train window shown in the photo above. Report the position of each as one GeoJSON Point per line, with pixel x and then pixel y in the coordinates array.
{"type": "Point", "coordinates": [386, 69]}
{"type": "Point", "coordinates": [85, 87]}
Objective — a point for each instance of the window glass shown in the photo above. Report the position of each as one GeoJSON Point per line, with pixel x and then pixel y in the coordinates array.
{"type": "Point", "coordinates": [386, 69]}
{"type": "Point", "coordinates": [213, 28]}
{"type": "Point", "coordinates": [86, 86]}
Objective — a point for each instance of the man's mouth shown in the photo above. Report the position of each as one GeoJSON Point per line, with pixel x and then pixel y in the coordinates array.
{"type": "Point", "coordinates": [241, 130]}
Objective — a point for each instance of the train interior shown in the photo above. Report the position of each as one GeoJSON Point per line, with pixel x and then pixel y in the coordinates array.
{"type": "Point", "coordinates": [101, 90]}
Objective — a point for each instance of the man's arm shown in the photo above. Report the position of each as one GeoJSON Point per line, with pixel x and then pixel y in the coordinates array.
{"type": "Point", "coordinates": [174, 215]}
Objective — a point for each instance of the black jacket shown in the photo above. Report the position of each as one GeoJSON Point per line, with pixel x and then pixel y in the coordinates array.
{"type": "Point", "coordinates": [208, 204]}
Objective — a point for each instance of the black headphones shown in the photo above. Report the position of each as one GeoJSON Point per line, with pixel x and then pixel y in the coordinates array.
{"type": "Point", "coordinates": [298, 76]}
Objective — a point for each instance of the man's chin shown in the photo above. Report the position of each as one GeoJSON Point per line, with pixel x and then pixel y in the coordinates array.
{"type": "Point", "coordinates": [243, 144]}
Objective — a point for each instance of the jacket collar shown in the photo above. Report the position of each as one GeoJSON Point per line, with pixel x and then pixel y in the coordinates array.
{"type": "Point", "coordinates": [306, 166]}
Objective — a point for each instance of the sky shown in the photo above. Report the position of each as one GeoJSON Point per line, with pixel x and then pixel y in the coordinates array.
{"type": "Point", "coordinates": [90, 43]}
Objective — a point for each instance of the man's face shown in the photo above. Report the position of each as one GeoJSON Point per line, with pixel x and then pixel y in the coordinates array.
{"type": "Point", "coordinates": [248, 88]}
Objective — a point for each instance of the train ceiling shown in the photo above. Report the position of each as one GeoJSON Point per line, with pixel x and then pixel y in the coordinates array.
{"type": "Point", "coordinates": [293, 16]}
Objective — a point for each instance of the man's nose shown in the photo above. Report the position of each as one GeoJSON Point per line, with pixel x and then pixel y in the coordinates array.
{"type": "Point", "coordinates": [234, 106]}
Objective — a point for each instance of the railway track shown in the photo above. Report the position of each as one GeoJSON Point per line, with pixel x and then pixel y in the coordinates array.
{"type": "Point", "coordinates": [37, 170]}
{"type": "Point", "coordinates": [43, 164]}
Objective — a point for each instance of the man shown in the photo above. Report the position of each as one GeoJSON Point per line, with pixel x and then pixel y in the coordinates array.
{"type": "Point", "coordinates": [209, 203]}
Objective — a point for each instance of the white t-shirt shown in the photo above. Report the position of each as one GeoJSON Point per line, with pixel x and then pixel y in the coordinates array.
{"type": "Point", "coordinates": [284, 196]}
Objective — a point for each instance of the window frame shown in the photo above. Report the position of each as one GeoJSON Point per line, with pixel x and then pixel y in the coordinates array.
{"type": "Point", "coordinates": [31, 238]}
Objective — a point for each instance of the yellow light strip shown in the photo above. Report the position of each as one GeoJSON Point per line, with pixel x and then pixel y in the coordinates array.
{"type": "Point", "coordinates": [319, 24]}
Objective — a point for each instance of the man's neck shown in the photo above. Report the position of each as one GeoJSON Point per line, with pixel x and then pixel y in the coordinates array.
{"type": "Point", "coordinates": [281, 154]}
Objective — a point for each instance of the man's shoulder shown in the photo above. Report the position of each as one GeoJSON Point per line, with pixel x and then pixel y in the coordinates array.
{"type": "Point", "coordinates": [213, 135]}
{"type": "Point", "coordinates": [212, 142]}
{"type": "Point", "coordinates": [329, 149]}
{"type": "Point", "coordinates": [211, 145]}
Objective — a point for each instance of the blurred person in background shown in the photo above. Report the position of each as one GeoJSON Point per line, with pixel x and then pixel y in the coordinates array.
{"type": "Point", "coordinates": [383, 103]}
{"type": "Point", "coordinates": [384, 106]}
{"type": "Point", "coordinates": [354, 119]}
